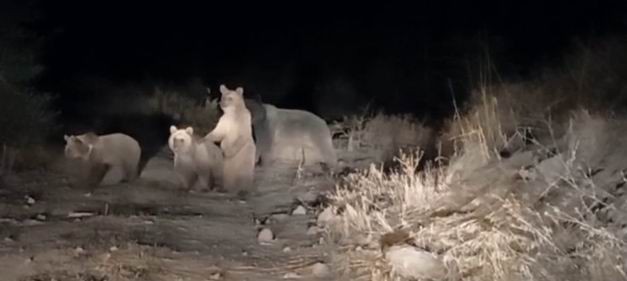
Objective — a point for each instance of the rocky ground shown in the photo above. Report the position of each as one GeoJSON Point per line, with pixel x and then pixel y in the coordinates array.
{"type": "Point", "coordinates": [150, 230]}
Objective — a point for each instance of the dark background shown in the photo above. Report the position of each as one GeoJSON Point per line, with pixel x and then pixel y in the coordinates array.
{"type": "Point", "coordinates": [327, 58]}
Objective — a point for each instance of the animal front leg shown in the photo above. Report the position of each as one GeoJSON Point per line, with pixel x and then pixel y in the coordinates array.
{"type": "Point", "coordinates": [96, 173]}
{"type": "Point", "coordinates": [187, 179]}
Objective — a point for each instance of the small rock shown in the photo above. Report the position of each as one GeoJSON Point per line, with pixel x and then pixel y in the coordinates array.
{"type": "Point", "coordinates": [79, 251]}
{"type": "Point", "coordinates": [113, 248]}
{"type": "Point", "coordinates": [79, 214]}
{"type": "Point", "coordinates": [41, 217]}
{"type": "Point", "coordinates": [299, 211]}
{"type": "Point", "coordinates": [291, 275]}
{"type": "Point", "coordinates": [215, 276]}
{"type": "Point", "coordinates": [8, 240]}
{"type": "Point", "coordinates": [320, 270]}
{"type": "Point", "coordinates": [244, 253]}
{"type": "Point", "coordinates": [265, 235]}
{"type": "Point", "coordinates": [313, 230]}
{"type": "Point", "coordinates": [325, 216]}
{"type": "Point", "coordinates": [287, 249]}
{"type": "Point", "coordinates": [413, 263]}
{"type": "Point", "coordinates": [29, 200]}
{"type": "Point", "coordinates": [279, 217]}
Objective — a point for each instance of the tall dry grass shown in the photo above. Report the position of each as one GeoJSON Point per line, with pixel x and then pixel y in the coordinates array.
{"type": "Point", "coordinates": [551, 208]}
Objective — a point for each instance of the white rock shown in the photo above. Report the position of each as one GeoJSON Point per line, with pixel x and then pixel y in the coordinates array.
{"type": "Point", "coordinates": [215, 276]}
{"type": "Point", "coordinates": [325, 216]}
{"type": "Point", "coordinates": [320, 270]}
{"type": "Point", "coordinates": [287, 249]}
{"type": "Point", "coordinates": [113, 248]}
{"type": "Point", "coordinates": [291, 275]}
{"type": "Point", "coordinates": [29, 200]}
{"type": "Point", "coordinates": [313, 230]}
{"type": "Point", "coordinates": [279, 217]}
{"type": "Point", "coordinates": [265, 235]}
{"type": "Point", "coordinates": [413, 263]}
{"type": "Point", "coordinates": [299, 211]}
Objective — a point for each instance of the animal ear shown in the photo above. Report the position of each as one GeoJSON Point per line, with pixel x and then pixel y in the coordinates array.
{"type": "Point", "coordinates": [223, 89]}
{"type": "Point", "coordinates": [189, 130]}
{"type": "Point", "coordinates": [172, 129]}
{"type": "Point", "coordinates": [240, 91]}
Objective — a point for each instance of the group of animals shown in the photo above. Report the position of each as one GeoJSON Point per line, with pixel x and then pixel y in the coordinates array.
{"type": "Point", "coordinates": [279, 134]}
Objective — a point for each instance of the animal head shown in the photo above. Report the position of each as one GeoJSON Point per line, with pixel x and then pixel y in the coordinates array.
{"type": "Point", "coordinates": [230, 99]}
{"type": "Point", "coordinates": [79, 146]}
{"type": "Point", "coordinates": [180, 140]}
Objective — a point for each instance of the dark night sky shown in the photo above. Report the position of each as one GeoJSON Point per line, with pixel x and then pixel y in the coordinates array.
{"type": "Point", "coordinates": [292, 54]}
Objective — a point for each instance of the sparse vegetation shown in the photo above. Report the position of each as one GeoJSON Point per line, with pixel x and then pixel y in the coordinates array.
{"type": "Point", "coordinates": [26, 118]}
{"type": "Point", "coordinates": [548, 209]}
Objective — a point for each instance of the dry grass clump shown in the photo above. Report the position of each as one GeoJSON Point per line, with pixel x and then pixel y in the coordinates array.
{"type": "Point", "coordinates": [188, 111]}
{"type": "Point", "coordinates": [383, 134]}
{"type": "Point", "coordinates": [548, 211]}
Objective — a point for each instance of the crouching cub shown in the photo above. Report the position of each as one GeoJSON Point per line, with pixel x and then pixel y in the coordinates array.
{"type": "Point", "coordinates": [195, 160]}
{"type": "Point", "coordinates": [101, 153]}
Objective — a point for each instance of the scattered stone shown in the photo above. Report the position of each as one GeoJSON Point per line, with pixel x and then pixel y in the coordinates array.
{"type": "Point", "coordinates": [313, 230]}
{"type": "Point", "coordinates": [41, 217]}
{"type": "Point", "coordinates": [287, 249]}
{"type": "Point", "coordinates": [292, 275]}
{"type": "Point", "coordinates": [413, 263]}
{"type": "Point", "coordinates": [244, 253]}
{"type": "Point", "coordinates": [8, 240]}
{"type": "Point", "coordinates": [299, 211]}
{"type": "Point", "coordinates": [79, 214]}
{"type": "Point", "coordinates": [265, 235]}
{"type": "Point", "coordinates": [320, 270]}
{"type": "Point", "coordinates": [325, 216]}
{"type": "Point", "coordinates": [29, 200]}
{"type": "Point", "coordinates": [30, 222]}
{"type": "Point", "coordinates": [79, 251]}
{"type": "Point", "coordinates": [215, 276]}
{"type": "Point", "coordinates": [279, 217]}
{"type": "Point", "coordinates": [113, 248]}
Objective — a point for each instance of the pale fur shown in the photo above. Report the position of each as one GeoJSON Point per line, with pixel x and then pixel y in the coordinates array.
{"type": "Point", "coordinates": [297, 134]}
{"type": "Point", "coordinates": [234, 132]}
{"type": "Point", "coordinates": [101, 153]}
{"type": "Point", "coordinates": [195, 160]}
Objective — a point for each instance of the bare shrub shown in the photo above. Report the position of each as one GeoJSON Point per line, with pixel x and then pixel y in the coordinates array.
{"type": "Point", "coordinates": [527, 217]}
{"type": "Point", "coordinates": [384, 135]}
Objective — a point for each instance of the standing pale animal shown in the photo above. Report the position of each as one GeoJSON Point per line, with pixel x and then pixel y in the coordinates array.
{"type": "Point", "coordinates": [289, 135]}
{"type": "Point", "coordinates": [234, 133]}
{"type": "Point", "coordinates": [101, 153]}
{"type": "Point", "coordinates": [195, 159]}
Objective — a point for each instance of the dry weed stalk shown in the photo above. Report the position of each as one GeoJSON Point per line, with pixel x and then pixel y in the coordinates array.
{"type": "Point", "coordinates": [506, 226]}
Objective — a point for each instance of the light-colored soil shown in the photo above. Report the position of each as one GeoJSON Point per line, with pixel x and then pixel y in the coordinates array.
{"type": "Point", "coordinates": [151, 230]}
